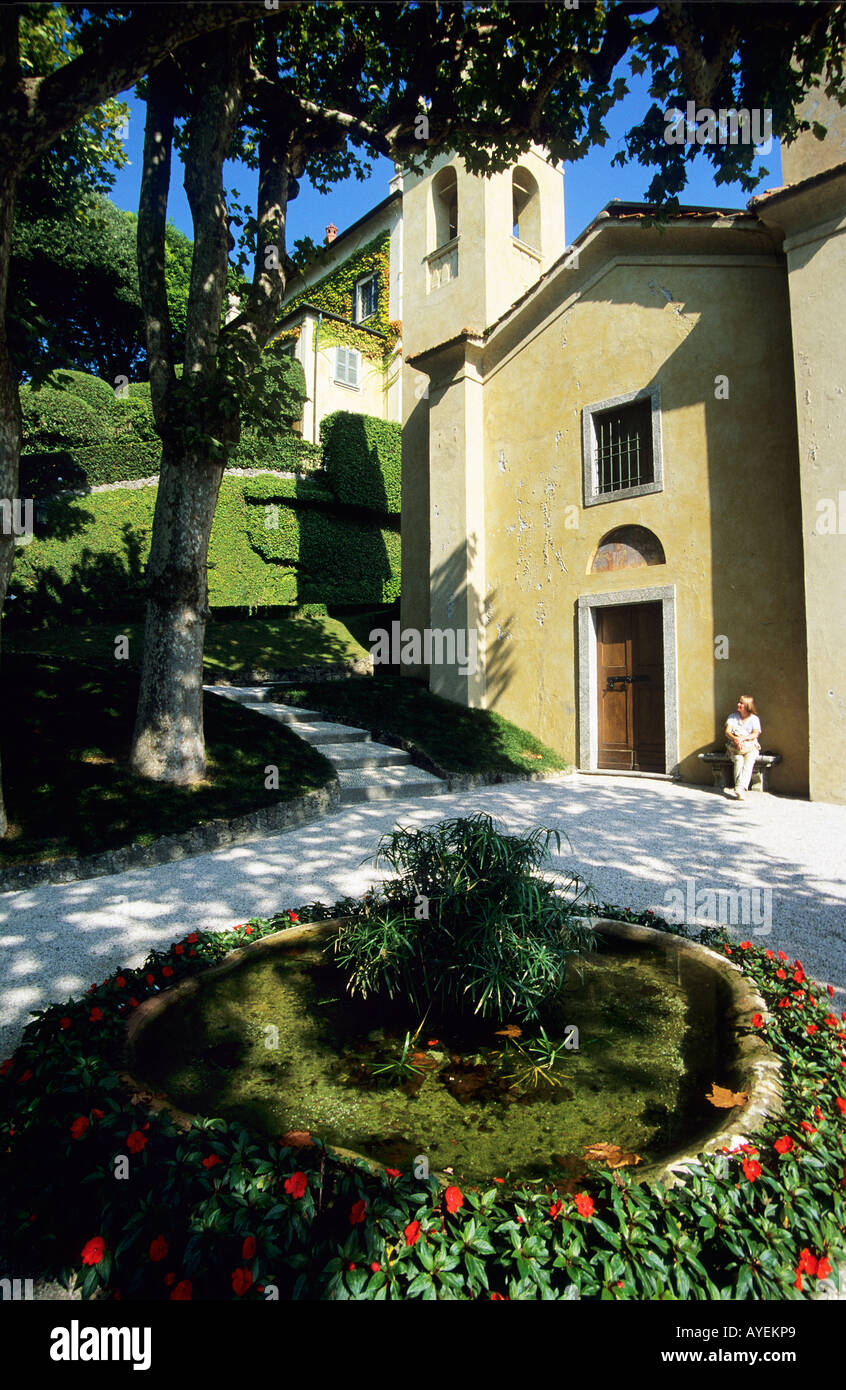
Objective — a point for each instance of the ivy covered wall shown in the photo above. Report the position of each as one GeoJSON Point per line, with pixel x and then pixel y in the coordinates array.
{"type": "Point", "coordinates": [334, 294]}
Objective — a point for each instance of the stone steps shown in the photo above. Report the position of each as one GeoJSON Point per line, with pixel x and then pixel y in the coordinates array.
{"type": "Point", "coordinates": [367, 771]}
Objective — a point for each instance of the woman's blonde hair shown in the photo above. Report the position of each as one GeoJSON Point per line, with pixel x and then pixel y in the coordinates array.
{"type": "Point", "coordinates": [748, 701]}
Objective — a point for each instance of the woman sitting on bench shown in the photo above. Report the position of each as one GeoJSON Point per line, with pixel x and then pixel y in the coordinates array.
{"type": "Point", "coordinates": [743, 731]}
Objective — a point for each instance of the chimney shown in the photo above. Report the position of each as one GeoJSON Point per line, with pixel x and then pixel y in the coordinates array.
{"type": "Point", "coordinates": [331, 232]}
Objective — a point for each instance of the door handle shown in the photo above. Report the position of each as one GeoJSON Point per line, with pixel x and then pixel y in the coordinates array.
{"type": "Point", "coordinates": [627, 680]}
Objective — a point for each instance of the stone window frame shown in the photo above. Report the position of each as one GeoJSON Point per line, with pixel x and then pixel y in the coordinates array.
{"type": "Point", "coordinates": [358, 316]}
{"type": "Point", "coordinates": [594, 498]}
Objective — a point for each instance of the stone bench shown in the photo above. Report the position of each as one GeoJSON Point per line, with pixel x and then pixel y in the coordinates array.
{"type": "Point", "coordinates": [723, 772]}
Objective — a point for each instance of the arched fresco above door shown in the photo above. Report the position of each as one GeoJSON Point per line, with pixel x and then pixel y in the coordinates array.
{"type": "Point", "coordinates": [628, 547]}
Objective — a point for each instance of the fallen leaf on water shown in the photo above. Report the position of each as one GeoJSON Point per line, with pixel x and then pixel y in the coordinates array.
{"type": "Point", "coordinates": [614, 1156]}
{"type": "Point", "coordinates": [725, 1099]}
{"type": "Point", "coordinates": [297, 1139]}
{"type": "Point", "coordinates": [509, 1031]}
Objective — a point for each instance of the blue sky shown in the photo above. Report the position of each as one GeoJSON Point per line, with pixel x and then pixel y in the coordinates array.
{"type": "Point", "coordinates": [588, 184]}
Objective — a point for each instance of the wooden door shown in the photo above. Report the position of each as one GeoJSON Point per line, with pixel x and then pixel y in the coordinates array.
{"type": "Point", "coordinates": [630, 676]}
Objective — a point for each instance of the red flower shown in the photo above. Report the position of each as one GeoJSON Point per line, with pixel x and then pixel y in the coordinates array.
{"type": "Point", "coordinates": [784, 1144]}
{"type": "Point", "coordinates": [212, 1161]}
{"type": "Point", "coordinates": [556, 1208]}
{"type": "Point", "coordinates": [798, 1282]}
{"type": "Point", "coordinates": [192, 939]}
{"type": "Point", "coordinates": [392, 1172]}
{"type": "Point", "coordinates": [433, 1042]}
{"type": "Point", "coordinates": [25, 1076]}
{"type": "Point", "coordinates": [241, 1280]}
{"type": "Point", "coordinates": [120, 981]}
{"type": "Point", "coordinates": [358, 1211]}
{"type": "Point", "coordinates": [498, 1298]}
{"type": "Point", "coordinates": [95, 1015]}
{"type": "Point", "coordinates": [79, 1126]}
{"type": "Point", "coordinates": [151, 979]}
{"type": "Point", "coordinates": [500, 1180]}
{"type": "Point", "coordinates": [807, 1263]}
{"type": "Point", "coordinates": [770, 955]}
{"type": "Point", "coordinates": [811, 1028]}
{"type": "Point", "coordinates": [133, 1002]}
{"type": "Point", "coordinates": [745, 945]}
{"type": "Point", "coordinates": [248, 931]}
{"type": "Point", "coordinates": [182, 1292]}
{"type": "Point", "coordinates": [64, 1023]}
{"type": "Point", "coordinates": [294, 917]}
{"type": "Point", "coordinates": [757, 1020]}
{"type": "Point", "coordinates": [170, 1279]}
{"type": "Point", "coordinates": [412, 1233]}
{"type": "Point", "coordinates": [158, 1248]}
{"type": "Point", "coordinates": [830, 991]}
{"type": "Point", "coordinates": [192, 952]}
{"type": "Point", "coordinates": [799, 975]}
{"type": "Point", "coordinates": [784, 1003]}
{"type": "Point", "coordinates": [818, 1114]}
{"type": "Point", "coordinates": [808, 1128]}
{"type": "Point", "coordinates": [831, 1020]}
{"type": "Point", "coordinates": [584, 1204]}
{"type": "Point", "coordinates": [823, 1268]}
{"type": "Point", "coordinates": [782, 956]}
{"type": "Point", "coordinates": [728, 950]}
{"type": "Point", "coordinates": [840, 1102]}
{"type": "Point", "coordinates": [93, 1251]}
{"type": "Point", "coordinates": [296, 1185]}
{"type": "Point", "coordinates": [781, 974]}
{"type": "Point", "coordinates": [248, 1249]}
{"type": "Point", "coordinates": [136, 1141]}
{"type": "Point", "coordinates": [98, 1114]}
{"type": "Point", "coordinates": [453, 1199]}
{"type": "Point", "coordinates": [351, 1266]}
{"type": "Point", "coordinates": [179, 949]}
{"type": "Point", "coordinates": [751, 1169]}
{"type": "Point", "coordinates": [167, 971]}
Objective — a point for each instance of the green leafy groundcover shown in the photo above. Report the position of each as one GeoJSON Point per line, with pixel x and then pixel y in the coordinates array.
{"type": "Point", "coordinates": [96, 1184]}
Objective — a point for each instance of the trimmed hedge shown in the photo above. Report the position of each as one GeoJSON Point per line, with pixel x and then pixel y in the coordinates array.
{"type": "Point", "coordinates": [120, 460]}
{"type": "Point", "coordinates": [54, 419]}
{"type": "Point", "coordinates": [363, 457]}
{"type": "Point", "coordinates": [286, 452]}
{"type": "Point", "coordinates": [90, 554]}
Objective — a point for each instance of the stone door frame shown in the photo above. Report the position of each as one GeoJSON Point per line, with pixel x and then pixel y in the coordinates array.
{"type": "Point", "coordinates": [587, 605]}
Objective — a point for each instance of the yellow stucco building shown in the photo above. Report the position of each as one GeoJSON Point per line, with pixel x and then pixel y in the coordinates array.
{"type": "Point", "coordinates": [623, 464]}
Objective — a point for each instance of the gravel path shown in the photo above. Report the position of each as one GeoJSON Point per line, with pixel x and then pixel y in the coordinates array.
{"type": "Point", "coordinates": [636, 840]}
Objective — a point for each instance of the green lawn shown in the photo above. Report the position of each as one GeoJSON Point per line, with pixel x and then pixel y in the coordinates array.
{"type": "Point", "coordinates": [457, 739]}
{"type": "Point", "coordinates": [69, 790]}
{"type": "Point", "coordinates": [232, 645]}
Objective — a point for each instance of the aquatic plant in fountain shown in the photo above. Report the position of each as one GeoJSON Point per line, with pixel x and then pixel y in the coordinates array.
{"type": "Point", "coordinates": [468, 923]}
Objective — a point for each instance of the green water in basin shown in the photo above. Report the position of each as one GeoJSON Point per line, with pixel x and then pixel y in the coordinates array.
{"type": "Point", "coordinates": [278, 1045]}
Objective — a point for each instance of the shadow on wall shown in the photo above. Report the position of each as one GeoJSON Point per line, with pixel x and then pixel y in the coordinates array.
{"type": "Point", "coordinates": [454, 603]}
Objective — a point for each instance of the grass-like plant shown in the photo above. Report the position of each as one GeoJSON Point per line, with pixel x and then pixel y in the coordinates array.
{"type": "Point", "coordinates": [467, 924]}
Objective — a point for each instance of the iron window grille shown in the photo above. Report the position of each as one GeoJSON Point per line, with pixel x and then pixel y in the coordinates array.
{"type": "Point", "coordinates": [624, 447]}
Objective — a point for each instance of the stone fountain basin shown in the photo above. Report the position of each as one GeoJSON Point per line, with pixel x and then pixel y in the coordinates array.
{"type": "Point", "coordinates": [749, 1063]}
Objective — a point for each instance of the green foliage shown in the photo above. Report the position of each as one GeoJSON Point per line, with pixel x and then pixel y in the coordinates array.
{"type": "Point", "coordinates": [759, 1223]}
{"type": "Point", "coordinates": [57, 420]}
{"type": "Point", "coordinates": [332, 558]}
{"type": "Point", "coordinates": [286, 452]}
{"type": "Point", "coordinates": [275, 392]}
{"type": "Point", "coordinates": [495, 938]}
{"type": "Point", "coordinates": [363, 458]}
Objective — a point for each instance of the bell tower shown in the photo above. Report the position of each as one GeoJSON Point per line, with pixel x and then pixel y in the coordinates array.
{"type": "Point", "coordinates": [472, 244]}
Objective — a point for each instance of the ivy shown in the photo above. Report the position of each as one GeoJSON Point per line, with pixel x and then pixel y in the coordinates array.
{"type": "Point", "coordinates": [334, 294]}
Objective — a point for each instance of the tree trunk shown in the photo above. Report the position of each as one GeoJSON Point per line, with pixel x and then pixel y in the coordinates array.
{"type": "Point", "coordinates": [168, 742]}
{"type": "Point", "coordinates": [10, 415]}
